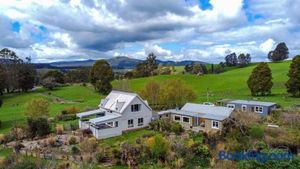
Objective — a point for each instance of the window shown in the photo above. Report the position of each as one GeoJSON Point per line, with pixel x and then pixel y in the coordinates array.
{"type": "Point", "coordinates": [140, 121]}
{"type": "Point", "coordinates": [186, 119]}
{"type": "Point", "coordinates": [258, 109]}
{"type": "Point", "coordinates": [177, 118]}
{"type": "Point", "coordinates": [135, 107]}
{"type": "Point", "coordinates": [116, 124]}
{"type": "Point", "coordinates": [244, 108]}
{"type": "Point", "coordinates": [231, 106]}
{"type": "Point", "coordinates": [215, 124]}
{"type": "Point", "coordinates": [130, 123]}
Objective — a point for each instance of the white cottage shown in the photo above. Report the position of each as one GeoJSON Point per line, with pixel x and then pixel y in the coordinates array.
{"type": "Point", "coordinates": [118, 112]}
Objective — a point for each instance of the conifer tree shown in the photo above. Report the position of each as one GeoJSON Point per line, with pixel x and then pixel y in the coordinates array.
{"type": "Point", "coordinates": [293, 84]}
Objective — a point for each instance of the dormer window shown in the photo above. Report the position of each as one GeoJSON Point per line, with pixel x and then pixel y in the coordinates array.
{"type": "Point", "coordinates": [136, 107]}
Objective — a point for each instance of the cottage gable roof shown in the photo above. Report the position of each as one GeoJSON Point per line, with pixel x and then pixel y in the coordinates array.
{"type": "Point", "coordinates": [118, 101]}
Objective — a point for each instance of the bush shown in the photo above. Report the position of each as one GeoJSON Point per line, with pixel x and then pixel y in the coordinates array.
{"type": "Point", "coordinates": [38, 127]}
{"type": "Point", "coordinates": [66, 117]}
{"type": "Point", "coordinates": [256, 131]}
{"type": "Point", "coordinates": [159, 147]}
{"type": "Point", "coordinates": [75, 150]}
{"type": "Point", "coordinates": [88, 145]}
{"type": "Point", "coordinates": [72, 140]}
{"type": "Point", "coordinates": [176, 128]}
{"type": "Point", "coordinates": [87, 132]}
{"type": "Point", "coordinates": [70, 110]}
{"type": "Point", "coordinates": [166, 125]}
{"type": "Point", "coordinates": [51, 141]}
{"type": "Point", "coordinates": [100, 157]}
{"type": "Point", "coordinates": [59, 129]}
{"type": "Point", "coordinates": [0, 123]}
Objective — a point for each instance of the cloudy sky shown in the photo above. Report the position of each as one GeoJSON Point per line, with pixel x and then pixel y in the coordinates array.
{"type": "Point", "coordinates": [206, 30]}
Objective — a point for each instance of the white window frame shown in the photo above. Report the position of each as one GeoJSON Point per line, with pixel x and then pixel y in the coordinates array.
{"type": "Point", "coordinates": [140, 121]}
{"type": "Point", "coordinates": [177, 116]}
{"type": "Point", "coordinates": [244, 107]}
{"type": "Point", "coordinates": [185, 121]}
{"type": "Point", "coordinates": [231, 106]}
{"type": "Point", "coordinates": [130, 125]}
{"type": "Point", "coordinates": [258, 109]}
{"type": "Point", "coordinates": [214, 126]}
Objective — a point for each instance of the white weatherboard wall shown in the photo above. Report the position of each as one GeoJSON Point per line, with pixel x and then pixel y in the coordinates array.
{"type": "Point", "coordinates": [145, 113]}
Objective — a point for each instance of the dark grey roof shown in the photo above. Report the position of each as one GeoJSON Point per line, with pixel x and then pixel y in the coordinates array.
{"type": "Point", "coordinates": [252, 102]}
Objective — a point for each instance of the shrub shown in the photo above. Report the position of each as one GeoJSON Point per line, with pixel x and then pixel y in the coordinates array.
{"type": "Point", "coordinates": [100, 157]}
{"type": "Point", "coordinates": [72, 110]}
{"type": "Point", "coordinates": [72, 140]}
{"type": "Point", "coordinates": [66, 117]}
{"type": "Point", "coordinates": [75, 150]}
{"type": "Point", "coordinates": [59, 129]}
{"type": "Point", "coordinates": [25, 164]}
{"type": "Point", "coordinates": [88, 145]}
{"type": "Point", "coordinates": [256, 131]}
{"type": "Point", "coordinates": [167, 125]}
{"type": "Point", "coordinates": [0, 123]}
{"type": "Point", "coordinates": [37, 108]}
{"type": "Point", "coordinates": [63, 112]}
{"type": "Point", "coordinates": [87, 132]}
{"type": "Point", "coordinates": [159, 147]}
{"type": "Point", "coordinates": [176, 128]}
{"type": "Point", "coordinates": [38, 127]}
{"type": "Point", "coordinates": [51, 141]}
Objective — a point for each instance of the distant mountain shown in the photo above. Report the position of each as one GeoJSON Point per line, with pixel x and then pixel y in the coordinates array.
{"type": "Point", "coordinates": [120, 62]}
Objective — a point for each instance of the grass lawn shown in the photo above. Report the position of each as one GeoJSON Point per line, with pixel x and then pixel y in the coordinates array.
{"type": "Point", "coordinates": [4, 152]}
{"type": "Point", "coordinates": [14, 104]}
{"type": "Point", "coordinates": [231, 84]}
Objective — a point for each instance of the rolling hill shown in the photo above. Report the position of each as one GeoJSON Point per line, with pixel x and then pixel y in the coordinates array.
{"type": "Point", "coordinates": [230, 84]}
{"type": "Point", "coordinates": [120, 62]}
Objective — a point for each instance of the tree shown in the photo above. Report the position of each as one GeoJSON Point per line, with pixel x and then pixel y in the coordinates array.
{"type": "Point", "coordinates": [147, 67]}
{"type": "Point", "coordinates": [57, 75]}
{"type": "Point", "coordinates": [2, 79]}
{"type": "Point", "coordinates": [1, 102]}
{"type": "Point", "coordinates": [280, 53]}
{"type": "Point", "coordinates": [244, 60]}
{"type": "Point", "coordinates": [151, 92]}
{"type": "Point", "coordinates": [293, 84]}
{"type": "Point", "coordinates": [231, 60]}
{"type": "Point", "coordinates": [101, 75]}
{"type": "Point", "coordinates": [80, 75]}
{"type": "Point", "coordinates": [175, 93]}
{"type": "Point", "coordinates": [49, 83]}
{"type": "Point", "coordinates": [38, 126]}
{"type": "Point", "coordinates": [37, 108]}
{"type": "Point", "coordinates": [151, 63]}
{"type": "Point", "coordinates": [26, 76]}
{"type": "Point", "coordinates": [260, 80]}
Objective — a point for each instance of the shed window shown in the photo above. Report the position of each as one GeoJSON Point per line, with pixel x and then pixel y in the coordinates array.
{"type": "Point", "coordinates": [244, 108]}
{"type": "Point", "coordinates": [116, 124]}
{"type": "Point", "coordinates": [215, 125]}
{"type": "Point", "coordinates": [177, 118]}
{"type": "Point", "coordinates": [258, 109]}
{"type": "Point", "coordinates": [231, 106]}
{"type": "Point", "coordinates": [186, 119]}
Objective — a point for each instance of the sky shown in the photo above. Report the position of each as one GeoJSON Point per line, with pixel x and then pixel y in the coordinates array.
{"type": "Point", "coordinates": [204, 30]}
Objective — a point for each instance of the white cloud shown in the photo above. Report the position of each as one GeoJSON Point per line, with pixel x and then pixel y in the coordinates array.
{"type": "Point", "coordinates": [267, 45]}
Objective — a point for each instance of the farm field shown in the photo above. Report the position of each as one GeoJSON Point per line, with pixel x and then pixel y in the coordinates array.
{"type": "Point", "coordinates": [230, 84]}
